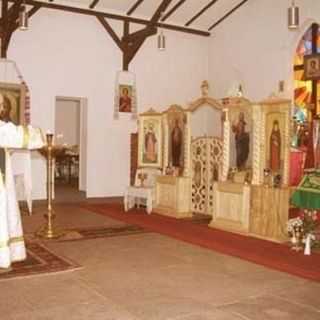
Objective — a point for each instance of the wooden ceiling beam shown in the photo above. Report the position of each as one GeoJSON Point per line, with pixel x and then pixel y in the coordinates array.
{"type": "Point", "coordinates": [93, 4]}
{"type": "Point", "coordinates": [204, 9]}
{"type": "Point", "coordinates": [111, 32]}
{"type": "Point", "coordinates": [134, 7]}
{"type": "Point", "coordinates": [159, 12]}
{"type": "Point", "coordinates": [4, 28]}
{"type": "Point", "coordinates": [126, 31]}
{"type": "Point", "coordinates": [227, 14]}
{"type": "Point", "coordinates": [13, 14]}
{"type": "Point", "coordinates": [31, 12]}
{"type": "Point", "coordinates": [145, 32]}
{"type": "Point", "coordinates": [15, 7]}
{"type": "Point", "coordinates": [4, 13]}
{"type": "Point", "coordinates": [129, 46]}
{"type": "Point", "coordinates": [9, 22]}
{"type": "Point", "coordinates": [114, 17]}
{"type": "Point", "coordinates": [131, 51]}
{"type": "Point", "coordinates": [151, 28]}
{"type": "Point", "coordinates": [172, 10]}
{"type": "Point", "coordinates": [133, 42]}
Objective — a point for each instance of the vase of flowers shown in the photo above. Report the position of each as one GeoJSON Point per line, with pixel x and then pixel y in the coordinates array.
{"type": "Point", "coordinates": [303, 230]}
{"type": "Point", "coordinates": [295, 230]}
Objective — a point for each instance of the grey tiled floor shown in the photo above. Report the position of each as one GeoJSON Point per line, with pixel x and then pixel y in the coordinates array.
{"type": "Point", "coordinates": [150, 276]}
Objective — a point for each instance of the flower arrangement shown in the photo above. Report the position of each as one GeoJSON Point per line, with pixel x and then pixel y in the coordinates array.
{"type": "Point", "coordinates": [311, 220]}
{"type": "Point", "coordinates": [305, 225]}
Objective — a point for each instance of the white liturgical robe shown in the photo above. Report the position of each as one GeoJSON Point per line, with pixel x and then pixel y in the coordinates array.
{"type": "Point", "coordinates": [12, 247]}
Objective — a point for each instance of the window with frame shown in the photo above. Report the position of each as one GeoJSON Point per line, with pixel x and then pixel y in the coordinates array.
{"type": "Point", "coordinates": [306, 92]}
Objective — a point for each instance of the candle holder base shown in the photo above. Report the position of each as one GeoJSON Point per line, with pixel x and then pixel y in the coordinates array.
{"type": "Point", "coordinates": [49, 230]}
{"type": "Point", "coordinates": [49, 233]}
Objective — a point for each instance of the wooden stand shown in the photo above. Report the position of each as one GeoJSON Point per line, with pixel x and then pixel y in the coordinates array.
{"type": "Point", "coordinates": [269, 213]}
{"type": "Point", "coordinates": [173, 196]}
{"type": "Point", "coordinates": [231, 207]}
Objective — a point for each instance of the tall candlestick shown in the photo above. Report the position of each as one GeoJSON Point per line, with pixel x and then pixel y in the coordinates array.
{"type": "Point", "coordinates": [49, 231]}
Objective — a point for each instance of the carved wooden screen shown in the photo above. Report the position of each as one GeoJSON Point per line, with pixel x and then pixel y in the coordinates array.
{"type": "Point", "coordinates": [206, 159]}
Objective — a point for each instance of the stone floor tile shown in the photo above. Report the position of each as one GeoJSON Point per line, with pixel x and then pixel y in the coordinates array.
{"type": "Point", "coordinates": [271, 308]}
{"type": "Point", "coordinates": [306, 293]}
{"type": "Point", "coordinates": [13, 298]}
{"type": "Point", "coordinates": [123, 287]}
{"type": "Point", "coordinates": [207, 315]}
{"type": "Point", "coordinates": [267, 281]}
{"type": "Point", "coordinates": [84, 252]}
{"type": "Point", "coordinates": [151, 276]}
{"type": "Point", "coordinates": [48, 292]}
{"type": "Point", "coordinates": [85, 311]}
{"type": "Point", "coordinates": [12, 302]}
{"type": "Point", "coordinates": [166, 307]}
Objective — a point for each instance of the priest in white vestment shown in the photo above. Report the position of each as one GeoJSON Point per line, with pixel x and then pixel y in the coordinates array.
{"type": "Point", "coordinates": [12, 246]}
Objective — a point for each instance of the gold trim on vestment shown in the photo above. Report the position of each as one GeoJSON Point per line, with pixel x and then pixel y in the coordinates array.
{"type": "Point", "coordinates": [25, 137]}
{"type": "Point", "coordinates": [5, 244]}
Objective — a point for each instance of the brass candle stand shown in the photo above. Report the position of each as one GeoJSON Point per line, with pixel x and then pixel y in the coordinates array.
{"type": "Point", "coordinates": [50, 151]}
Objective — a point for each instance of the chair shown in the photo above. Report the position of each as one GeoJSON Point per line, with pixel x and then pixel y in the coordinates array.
{"type": "Point", "coordinates": [67, 164]}
{"type": "Point", "coordinates": [142, 192]}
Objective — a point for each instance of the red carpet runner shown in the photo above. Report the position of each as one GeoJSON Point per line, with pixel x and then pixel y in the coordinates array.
{"type": "Point", "coordinates": [266, 253]}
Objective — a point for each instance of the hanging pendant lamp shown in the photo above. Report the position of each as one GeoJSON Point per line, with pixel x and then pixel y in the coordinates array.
{"type": "Point", "coordinates": [161, 37]}
{"type": "Point", "coordinates": [293, 16]}
{"type": "Point", "coordinates": [161, 41]}
{"type": "Point", "coordinates": [23, 18]}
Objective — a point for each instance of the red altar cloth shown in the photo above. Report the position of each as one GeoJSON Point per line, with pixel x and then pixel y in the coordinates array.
{"type": "Point", "coordinates": [297, 158]}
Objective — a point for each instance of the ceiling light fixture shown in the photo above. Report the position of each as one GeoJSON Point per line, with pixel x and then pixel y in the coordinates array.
{"type": "Point", "coordinates": [161, 39]}
{"type": "Point", "coordinates": [23, 17]}
{"type": "Point", "coordinates": [293, 16]}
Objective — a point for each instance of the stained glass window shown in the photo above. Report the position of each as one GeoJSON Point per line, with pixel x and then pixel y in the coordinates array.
{"type": "Point", "coordinates": [304, 47]}
{"type": "Point", "coordinates": [306, 92]}
{"type": "Point", "coordinates": [303, 90]}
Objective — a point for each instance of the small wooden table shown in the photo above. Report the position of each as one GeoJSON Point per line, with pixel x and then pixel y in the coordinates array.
{"type": "Point", "coordinates": [173, 196]}
{"type": "Point", "coordinates": [133, 196]}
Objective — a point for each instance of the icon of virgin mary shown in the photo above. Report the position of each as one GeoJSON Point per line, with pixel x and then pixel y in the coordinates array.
{"type": "Point", "coordinates": [275, 147]}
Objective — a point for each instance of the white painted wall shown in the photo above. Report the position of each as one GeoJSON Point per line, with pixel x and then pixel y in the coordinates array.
{"type": "Point", "coordinates": [254, 47]}
{"type": "Point", "coordinates": [64, 54]}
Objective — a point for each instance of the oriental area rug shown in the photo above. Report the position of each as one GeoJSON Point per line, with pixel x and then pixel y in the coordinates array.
{"type": "Point", "coordinates": [101, 232]}
{"type": "Point", "coordinates": [269, 254]}
{"type": "Point", "coordinates": [40, 260]}
{"type": "Point", "coordinates": [78, 234]}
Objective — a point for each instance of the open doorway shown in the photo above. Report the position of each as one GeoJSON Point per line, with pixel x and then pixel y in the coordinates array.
{"type": "Point", "coordinates": [71, 133]}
